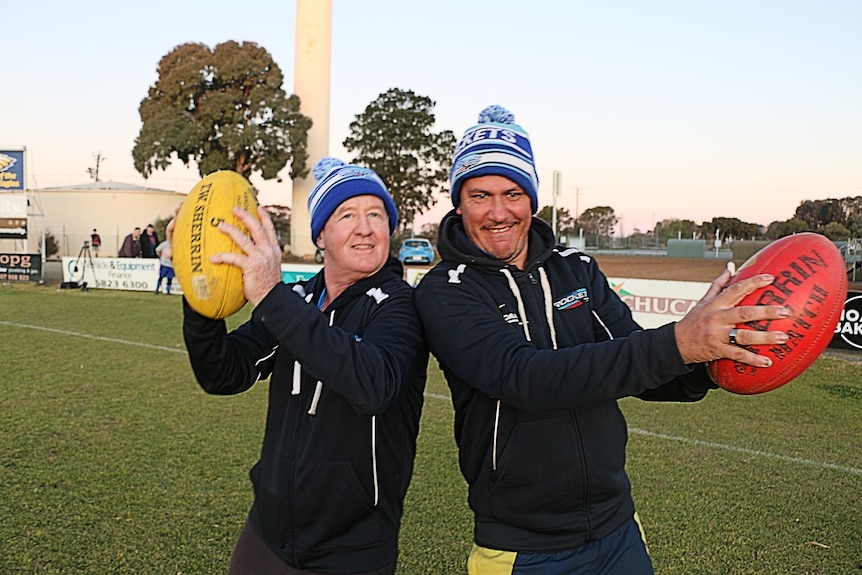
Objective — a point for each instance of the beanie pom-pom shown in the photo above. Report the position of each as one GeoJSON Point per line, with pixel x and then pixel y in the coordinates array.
{"type": "Point", "coordinates": [496, 114]}
{"type": "Point", "coordinates": [324, 166]}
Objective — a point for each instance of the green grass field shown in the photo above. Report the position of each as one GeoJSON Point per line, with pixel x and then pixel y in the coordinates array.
{"type": "Point", "coordinates": [112, 460]}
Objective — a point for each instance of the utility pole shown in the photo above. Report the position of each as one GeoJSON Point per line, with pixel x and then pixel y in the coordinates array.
{"type": "Point", "coordinates": [577, 211]}
{"type": "Point", "coordinates": [94, 172]}
{"type": "Point", "coordinates": [577, 196]}
{"type": "Point", "coordinates": [555, 192]}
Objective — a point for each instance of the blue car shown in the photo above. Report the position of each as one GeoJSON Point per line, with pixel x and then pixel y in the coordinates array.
{"type": "Point", "coordinates": [416, 251]}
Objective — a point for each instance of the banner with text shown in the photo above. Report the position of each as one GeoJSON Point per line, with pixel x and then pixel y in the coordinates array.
{"type": "Point", "coordinates": [21, 267]}
{"type": "Point", "coordinates": [141, 274]}
{"type": "Point", "coordinates": [848, 333]}
{"type": "Point", "coordinates": [13, 216]}
{"type": "Point", "coordinates": [134, 274]}
{"type": "Point", "coordinates": [655, 303]}
{"type": "Point", "coordinates": [12, 171]}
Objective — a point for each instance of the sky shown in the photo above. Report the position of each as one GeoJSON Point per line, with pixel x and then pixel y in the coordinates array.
{"type": "Point", "coordinates": [664, 109]}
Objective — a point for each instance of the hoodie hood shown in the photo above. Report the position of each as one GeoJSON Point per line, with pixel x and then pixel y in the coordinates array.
{"type": "Point", "coordinates": [454, 245]}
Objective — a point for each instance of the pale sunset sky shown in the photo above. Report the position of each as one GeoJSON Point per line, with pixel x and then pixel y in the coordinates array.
{"type": "Point", "coordinates": [664, 109]}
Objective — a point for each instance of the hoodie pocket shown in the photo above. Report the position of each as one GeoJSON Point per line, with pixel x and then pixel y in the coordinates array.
{"type": "Point", "coordinates": [334, 507]}
{"type": "Point", "coordinates": [539, 479]}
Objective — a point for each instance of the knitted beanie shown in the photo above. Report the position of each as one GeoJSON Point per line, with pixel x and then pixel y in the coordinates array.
{"type": "Point", "coordinates": [337, 182]}
{"type": "Point", "coordinates": [496, 146]}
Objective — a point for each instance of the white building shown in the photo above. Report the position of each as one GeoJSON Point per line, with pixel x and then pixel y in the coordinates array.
{"type": "Point", "coordinates": [70, 213]}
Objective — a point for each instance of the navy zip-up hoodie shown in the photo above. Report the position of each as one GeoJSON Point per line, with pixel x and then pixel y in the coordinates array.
{"type": "Point", "coordinates": [536, 360]}
{"type": "Point", "coordinates": [344, 404]}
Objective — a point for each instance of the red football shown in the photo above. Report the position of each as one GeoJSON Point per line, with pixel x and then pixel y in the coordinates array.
{"type": "Point", "coordinates": [811, 281]}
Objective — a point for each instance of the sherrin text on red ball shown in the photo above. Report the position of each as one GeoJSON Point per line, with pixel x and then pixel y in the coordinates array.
{"type": "Point", "coordinates": [811, 281]}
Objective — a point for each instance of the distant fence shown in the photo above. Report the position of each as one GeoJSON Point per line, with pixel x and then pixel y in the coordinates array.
{"type": "Point", "coordinates": [71, 243]}
{"type": "Point", "coordinates": [737, 250]}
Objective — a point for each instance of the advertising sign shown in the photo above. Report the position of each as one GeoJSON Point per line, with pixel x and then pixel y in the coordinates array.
{"type": "Point", "coordinates": [12, 171]}
{"type": "Point", "coordinates": [414, 276]}
{"type": "Point", "coordinates": [298, 272]}
{"type": "Point", "coordinates": [848, 332]}
{"type": "Point", "coordinates": [657, 302]}
{"type": "Point", "coordinates": [141, 274]}
{"type": "Point", "coordinates": [20, 267]}
{"type": "Point", "coordinates": [13, 216]}
{"type": "Point", "coordinates": [133, 274]}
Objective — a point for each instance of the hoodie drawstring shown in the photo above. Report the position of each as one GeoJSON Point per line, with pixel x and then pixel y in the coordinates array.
{"type": "Point", "coordinates": [549, 305]}
{"type": "Point", "coordinates": [296, 375]}
{"type": "Point", "coordinates": [297, 368]}
{"type": "Point", "coordinates": [549, 315]}
{"type": "Point", "coordinates": [522, 312]}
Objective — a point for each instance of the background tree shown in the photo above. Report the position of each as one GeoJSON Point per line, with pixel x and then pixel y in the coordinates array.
{"type": "Point", "coordinates": [639, 239]}
{"type": "Point", "coordinates": [565, 221]}
{"type": "Point", "coordinates": [730, 229]}
{"type": "Point", "coordinates": [429, 232]}
{"type": "Point", "coordinates": [224, 109]}
{"type": "Point", "coordinates": [818, 213]}
{"type": "Point", "coordinates": [598, 221]}
{"type": "Point", "coordinates": [52, 246]}
{"type": "Point", "coordinates": [673, 228]}
{"type": "Point", "coordinates": [789, 227]}
{"type": "Point", "coordinates": [280, 216]}
{"type": "Point", "coordinates": [394, 137]}
{"type": "Point", "coordinates": [853, 215]}
{"type": "Point", "coordinates": [160, 226]}
{"type": "Point", "coordinates": [835, 231]}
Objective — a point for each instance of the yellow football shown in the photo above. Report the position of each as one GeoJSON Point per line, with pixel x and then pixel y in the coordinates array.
{"type": "Point", "coordinates": [213, 290]}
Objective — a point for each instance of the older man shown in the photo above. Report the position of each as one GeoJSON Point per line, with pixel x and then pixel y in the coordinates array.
{"type": "Point", "coordinates": [347, 362]}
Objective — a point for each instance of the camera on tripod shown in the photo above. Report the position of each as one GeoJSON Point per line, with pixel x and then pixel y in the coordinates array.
{"type": "Point", "coordinates": [84, 258]}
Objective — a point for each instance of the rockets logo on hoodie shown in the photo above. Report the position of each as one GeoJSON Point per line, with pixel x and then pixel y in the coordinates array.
{"type": "Point", "coordinates": [572, 300]}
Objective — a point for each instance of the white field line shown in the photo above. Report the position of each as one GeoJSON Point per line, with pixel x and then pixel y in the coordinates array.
{"type": "Point", "coordinates": [97, 337]}
{"type": "Point", "coordinates": [756, 453]}
{"type": "Point", "coordinates": [636, 431]}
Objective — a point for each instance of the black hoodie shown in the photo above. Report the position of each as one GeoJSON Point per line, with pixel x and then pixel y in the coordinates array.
{"type": "Point", "coordinates": [344, 404]}
{"type": "Point", "coordinates": [536, 360]}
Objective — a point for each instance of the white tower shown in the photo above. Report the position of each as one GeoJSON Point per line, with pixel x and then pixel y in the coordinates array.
{"type": "Point", "coordinates": [311, 84]}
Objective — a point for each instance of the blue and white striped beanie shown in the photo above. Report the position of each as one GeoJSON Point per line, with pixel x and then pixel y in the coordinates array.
{"type": "Point", "coordinates": [496, 146]}
{"type": "Point", "coordinates": [337, 182]}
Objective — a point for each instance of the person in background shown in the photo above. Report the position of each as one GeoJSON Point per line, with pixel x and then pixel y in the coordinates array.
{"type": "Point", "coordinates": [95, 242]}
{"type": "Point", "coordinates": [149, 241]}
{"type": "Point", "coordinates": [347, 363]}
{"type": "Point", "coordinates": [166, 266]}
{"type": "Point", "coordinates": [131, 247]}
{"type": "Point", "coordinates": [537, 348]}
